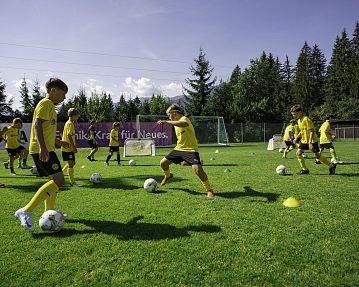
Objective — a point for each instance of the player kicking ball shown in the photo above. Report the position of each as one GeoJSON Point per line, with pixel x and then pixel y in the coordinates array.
{"type": "Point", "coordinates": [42, 149]}
{"type": "Point", "coordinates": [186, 149]}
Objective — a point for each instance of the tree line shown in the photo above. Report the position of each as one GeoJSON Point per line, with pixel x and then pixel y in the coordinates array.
{"type": "Point", "coordinates": [262, 92]}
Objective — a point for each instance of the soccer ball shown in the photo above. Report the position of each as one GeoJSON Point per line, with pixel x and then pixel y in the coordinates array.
{"type": "Point", "coordinates": [150, 185]}
{"type": "Point", "coordinates": [132, 162]}
{"type": "Point", "coordinates": [33, 170]}
{"type": "Point", "coordinates": [304, 155]}
{"type": "Point", "coordinates": [51, 221]}
{"type": "Point", "coordinates": [95, 178]}
{"type": "Point", "coordinates": [281, 150]}
{"type": "Point", "coordinates": [281, 170]}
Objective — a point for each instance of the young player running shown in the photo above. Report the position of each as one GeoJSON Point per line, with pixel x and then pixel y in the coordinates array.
{"type": "Point", "coordinates": [326, 139]}
{"type": "Point", "coordinates": [290, 134]}
{"type": "Point", "coordinates": [92, 141]}
{"type": "Point", "coordinates": [42, 149]}
{"type": "Point", "coordinates": [13, 146]}
{"type": "Point", "coordinates": [114, 145]}
{"type": "Point", "coordinates": [308, 141]}
{"type": "Point", "coordinates": [68, 153]}
{"type": "Point", "coordinates": [186, 149]}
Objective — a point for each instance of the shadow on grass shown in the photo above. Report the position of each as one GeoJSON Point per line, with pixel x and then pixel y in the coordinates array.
{"type": "Point", "coordinates": [348, 163]}
{"type": "Point", "coordinates": [132, 230]}
{"type": "Point", "coordinates": [248, 191]}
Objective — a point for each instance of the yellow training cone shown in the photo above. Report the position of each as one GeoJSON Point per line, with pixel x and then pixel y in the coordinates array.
{"type": "Point", "coordinates": [82, 166]}
{"type": "Point", "coordinates": [217, 151]}
{"type": "Point", "coordinates": [291, 202]}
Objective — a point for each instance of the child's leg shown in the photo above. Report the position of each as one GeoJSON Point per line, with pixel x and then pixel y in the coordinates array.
{"type": "Point", "coordinates": [199, 171]}
{"type": "Point", "coordinates": [301, 159]}
{"type": "Point", "coordinates": [333, 154]}
{"type": "Point", "coordinates": [12, 159]}
{"type": "Point", "coordinates": [165, 166]}
{"type": "Point", "coordinates": [48, 190]}
{"type": "Point", "coordinates": [92, 153]}
{"type": "Point", "coordinates": [71, 171]}
{"type": "Point", "coordinates": [109, 157]}
{"type": "Point", "coordinates": [323, 159]}
{"type": "Point", "coordinates": [118, 158]}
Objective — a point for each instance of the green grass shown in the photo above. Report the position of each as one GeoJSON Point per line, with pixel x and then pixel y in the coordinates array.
{"type": "Point", "coordinates": [117, 234]}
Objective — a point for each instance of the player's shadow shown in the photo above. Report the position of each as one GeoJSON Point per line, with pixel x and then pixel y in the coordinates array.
{"type": "Point", "coordinates": [132, 230]}
{"type": "Point", "coordinates": [248, 192]}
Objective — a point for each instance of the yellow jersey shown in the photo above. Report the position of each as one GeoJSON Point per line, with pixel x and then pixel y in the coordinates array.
{"type": "Point", "coordinates": [186, 137]}
{"type": "Point", "coordinates": [69, 132]}
{"type": "Point", "coordinates": [114, 134]}
{"type": "Point", "coordinates": [289, 133]}
{"type": "Point", "coordinates": [44, 110]}
{"type": "Point", "coordinates": [325, 136]}
{"type": "Point", "coordinates": [305, 125]}
{"type": "Point", "coordinates": [12, 136]}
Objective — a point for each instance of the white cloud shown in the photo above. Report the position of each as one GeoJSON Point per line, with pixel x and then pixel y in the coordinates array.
{"type": "Point", "coordinates": [92, 85]}
{"type": "Point", "coordinates": [17, 83]}
{"type": "Point", "coordinates": [172, 89]}
{"type": "Point", "coordinates": [142, 87]}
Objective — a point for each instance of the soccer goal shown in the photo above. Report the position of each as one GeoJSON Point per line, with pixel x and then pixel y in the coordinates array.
{"type": "Point", "coordinates": [209, 130]}
{"type": "Point", "coordinates": [276, 142]}
{"type": "Point", "coordinates": [139, 147]}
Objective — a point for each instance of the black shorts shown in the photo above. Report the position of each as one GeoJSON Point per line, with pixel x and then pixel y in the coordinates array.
{"type": "Point", "coordinates": [92, 144]}
{"type": "Point", "coordinates": [190, 157]}
{"type": "Point", "coordinates": [306, 147]}
{"type": "Point", "coordinates": [326, 146]}
{"type": "Point", "coordinates": [14, 151]}
{"type": "Point", "coordinates": [114, 148]}
{"type": "Point", "coordinates": [47, 168]}
{"type": "Point", "coordinates": [289, 144]}
{"type": "Point", "coordinates": [66, 155]}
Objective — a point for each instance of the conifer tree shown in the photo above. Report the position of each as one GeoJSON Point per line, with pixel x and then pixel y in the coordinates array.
{"type": "Point", "coordinates": [200, 87]}
{"type": "Point", "coordinates": [26, 102]}
{"type": "Point", "coordinates": [36, 94]}
{"type": "Point", "coordinates": [5, 105]}
{"type": "Point", "coordinates": [317, 70]}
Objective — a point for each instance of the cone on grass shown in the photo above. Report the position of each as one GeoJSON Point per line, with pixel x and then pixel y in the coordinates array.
{"type": "Point", "coordinates": [227, 170]}
{"type": "Point", "coordinates": [291, 202]}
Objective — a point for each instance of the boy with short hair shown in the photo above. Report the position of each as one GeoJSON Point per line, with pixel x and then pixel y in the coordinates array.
{"type": "Point", "coordinates": [290, 133]}
{"type": "Point", "coordinates": [308, 140]}
{"type": "Point", "coordinates": [68, 153]}
{"type": "Point", "coordinates": [114, 145]}
{"type": "Point", "coordinates": [91, 140]}
{"type": "Point", "coordinates": [42, 149]}
{"type": "Point", "coordinates": [186, 149]}
{"type": "Point", "coordinates": [13, 146]}
{"type": "Point", "coordinates": [326, 139]}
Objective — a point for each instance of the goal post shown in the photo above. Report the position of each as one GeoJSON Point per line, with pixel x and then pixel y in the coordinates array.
{"type": "Point", "coordinates": [209, 129]}
{"type": "Point", "coordinates": [139, 147]}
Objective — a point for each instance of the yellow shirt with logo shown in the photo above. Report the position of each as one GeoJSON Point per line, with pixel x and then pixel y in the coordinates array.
{"type": "Point", "coordinates": [305, 124]}
{"type": "Point", "coordinates": [186, 137]}
{"type": "Point", "coordinates": [325, 136]}
{"type": "Point", "coordinates": [114, 134]}
{"type": "Point", "coordinates": [12, 136]}
{"type": "Point", "coordinates": [44, 110]}
{"type": "Point", "coordinates": [69, 131]}
{"type": "Point", "coordinates": [288, 133]}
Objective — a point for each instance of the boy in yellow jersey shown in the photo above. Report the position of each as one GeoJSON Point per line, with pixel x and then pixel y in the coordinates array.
{"type": "Point", "coordinates": [290, 133]}
{"type": "Point", "coordinates": [326, 139]}
{"type": "Point", "coordinates": [91, 140]}
{"type": "Point", "coordinates": [114, 145]}
{"type": "Point", "coordinates": [68, 154]}
{"type": "Point", "coordinates": [186, 149]}
{"type": "Point", "coordinates": [2, 131]}
{"type": "Point", "coordinates": [308, 141]}
{"type": "Point", "coordinates": [42, 149]}
{"type": "Point", "coordinates": [13, 146]}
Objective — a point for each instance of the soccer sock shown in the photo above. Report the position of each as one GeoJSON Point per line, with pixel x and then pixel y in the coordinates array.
{"type": "Point", "coordinates": [71, 174]}
{"type": "Point", "coordinates": [206, 185]}
{"type": "Point", "coordinates": [108, 157]}
{"type": "Point", "coordinates": [50, 201]}
{"type": "Point", "coordinates": [302, 162]}
{"type": "Point", "coordinates": [45, 191]}
{"type": "Point", "coordinates": [332, 152]}
{"type": "Point", "coordinates": [118, 158]}
{"type": "Point", "coordinates": [167, 172]}
{"type": "Point", "coordinates": [325, 161]}
{"type": "Point", "coordinates": [64, 169]}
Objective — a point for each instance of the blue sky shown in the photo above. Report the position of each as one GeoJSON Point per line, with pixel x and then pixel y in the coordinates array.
{"type": "Point", "coordinates": [140, 47]}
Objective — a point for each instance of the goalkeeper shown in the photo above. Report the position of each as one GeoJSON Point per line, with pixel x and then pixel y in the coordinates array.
{"type": "Point", "coordinates": [186, 149]}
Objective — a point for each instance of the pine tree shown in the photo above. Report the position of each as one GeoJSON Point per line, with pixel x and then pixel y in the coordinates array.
{"type": "Point", "coordinates": [36, 94]}
{"type": "Point", "coordinates": [80, 103]}
{"type": "Point", "coordinates": [121, 110]}
{"type": "Point", "coordinates": [145, 108]}
{"type": "Point", "coordinates": [26, 102]}
{"type": "Point", "coordinates": [200, 87]}
{"type": "Point", "coordinates": [5, 105]}
{"type": "Point", "coordinates": [317, 69]}
{"type": "Point", "coordinates": [354, 81]}
{"type": "Point", "coordinates": [287, 77]}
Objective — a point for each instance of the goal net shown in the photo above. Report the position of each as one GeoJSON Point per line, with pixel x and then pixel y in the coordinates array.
{"type": "Point", "coordinates": [139, 147]}
{"type": "Point", "coordinates": [209, 129]}
{"type": "Point", "coordinates": [276, 142]}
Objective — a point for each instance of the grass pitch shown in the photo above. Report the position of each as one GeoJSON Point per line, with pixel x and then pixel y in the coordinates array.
{"type": "Point", "coordinates": [117, 234]}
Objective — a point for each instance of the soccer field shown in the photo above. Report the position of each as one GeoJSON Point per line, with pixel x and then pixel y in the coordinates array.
{"type": "Point", "coordinates": [117, 234]}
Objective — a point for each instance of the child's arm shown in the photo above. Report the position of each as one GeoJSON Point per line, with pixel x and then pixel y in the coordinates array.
{"type": "Point", "coordinates": [43, 152]}
{"type": "Point", "coordinates": [173, 123]}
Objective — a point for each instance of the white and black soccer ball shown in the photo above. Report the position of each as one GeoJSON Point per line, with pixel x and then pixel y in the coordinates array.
{"type": "Point", "coordinates": [132, 162]}
{"type": "Point", "coordinates": [150, 185]}
{"type": "Point", "coordinates": [281, 170]}
{"type": "Point", "coordinates": [34, 171]}
{"type": "Point", "coordinates": [96, 178]}
{"type": "Point", "coordinates": [281, 150]}
{"type": "Point", "coordinates": [52, 221]}
{"type": "Point", "coordinates": [305, 155]}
